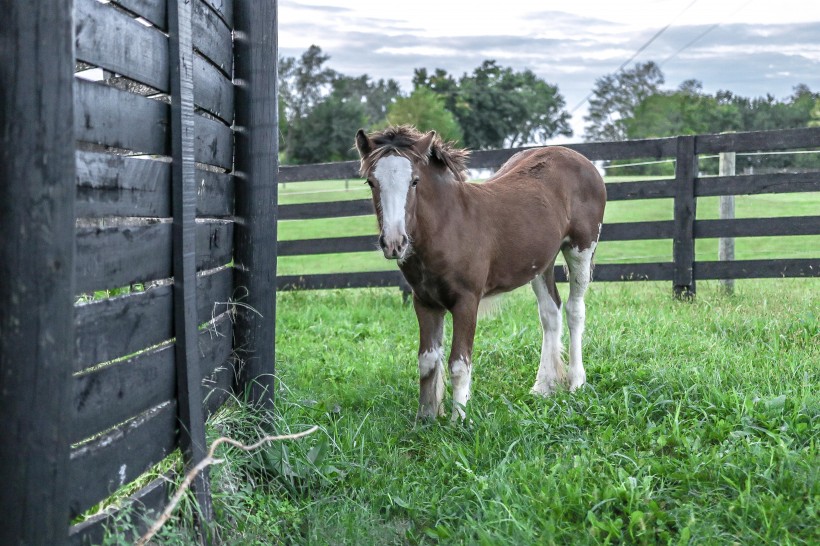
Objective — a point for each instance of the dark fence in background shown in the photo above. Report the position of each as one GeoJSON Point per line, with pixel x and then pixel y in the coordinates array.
{"type": "Point", "coordinates": [682, 269]}
{"type": "Point", "coordinates": [157, 183]}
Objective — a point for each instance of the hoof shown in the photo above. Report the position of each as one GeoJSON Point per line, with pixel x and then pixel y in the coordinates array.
{"type": "Point", "coordinates": [429, 413]}
{"type": "Point", "coordinates": [576, 383]}
{"type": "Point", "coordinates": [543, 390]}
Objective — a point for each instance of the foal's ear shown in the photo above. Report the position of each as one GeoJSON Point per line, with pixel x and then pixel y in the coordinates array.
{"type": "Point", "coordinates": [425, 144]}
{"type": "Point", "coordinates": [363, 143]}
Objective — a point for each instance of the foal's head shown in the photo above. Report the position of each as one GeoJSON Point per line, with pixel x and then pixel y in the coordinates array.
{"type": "Point", "coordinates": [395, 162]}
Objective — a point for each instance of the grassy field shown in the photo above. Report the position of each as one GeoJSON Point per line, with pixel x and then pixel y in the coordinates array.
{"type": "Point", "coordinates": [700, 425]}
{"type": "Point", "coordinates": [748, 248]}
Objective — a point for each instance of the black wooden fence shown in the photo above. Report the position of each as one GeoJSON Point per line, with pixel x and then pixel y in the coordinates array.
{"type": "Point", "coordinates": [158, 182]}
{"type": "Point", "coordinates": [684, 189]}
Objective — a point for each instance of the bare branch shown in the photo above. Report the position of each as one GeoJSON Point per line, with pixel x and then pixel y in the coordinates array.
{"type": "Point", "coordinates": [207, 461]}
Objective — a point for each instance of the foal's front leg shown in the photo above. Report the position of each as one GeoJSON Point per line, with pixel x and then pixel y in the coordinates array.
{"type": "Point", "coordinates": [461, 355]}
{"type": "Point", "coordinates": [431, 355]}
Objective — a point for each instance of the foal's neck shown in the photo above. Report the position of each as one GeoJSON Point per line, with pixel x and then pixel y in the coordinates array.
{"type": "Point", "coordinates": [438, 202]}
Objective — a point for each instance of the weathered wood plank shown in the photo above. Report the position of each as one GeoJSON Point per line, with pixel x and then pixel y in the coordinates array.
{"type": "Point", "coordinates": [784, 139]}
{"type": "Point", "coordinates": [754, 184]}
{"type": "Point", "coordinates": [212, 37]}
{"type": "Point", "coordinates": [603, 272]}
{"type": "Point", "coordinates": [758, 227]}
{"type": "Point", "coordinates": [311, 211]}
{"type": "Point", "coordinates": [629, 149]}
{"type": "Point", "coordinates": [100, 467]}
{"type": "Point", "coordinates": [153, 11]}
{"type": "Point", "coordinates": [192, 440]}
{"type": "Point", "coordinates": [651, 189]}
{"type": "Point", "coordinates": [124, 255]}
{"type": "Point", "coordinates": [105, 115]}
{"type": "Point", "coordinates": [107, 396]}
{"type": "Point", "coordinates": [143, 508]}
{"type": "Point", "coordinates": [224, 8]}
{"type": "Point", "coordinates": [213, 91]}
{"type": "Point", "coordinates": [109, 38]}
{"type": "Point", "coordinates": [333, 245]}
{"type": "Point", "coordinates": [343, 170]}
{"type": "Point", "coordinates": [683, 246]}
{"type": "Point", "coordinates": [115, 327]}
{"type": "Point", "coordinates": [36, 268]}
{"type": "Point", "coordinates": [758, 269]}
{"type": "Point", "coordinates": [626, 272]}
{"type": "Point", "coordinates": [257, 158]}
{"type": "Point", "coordinates": [115, 185]}
{"type": "Point", "coordinates": [213, 143]}
{"type": "Point", "coordinates": [638, 231]}
{"type": "Point", "coordinates": [338, 280]}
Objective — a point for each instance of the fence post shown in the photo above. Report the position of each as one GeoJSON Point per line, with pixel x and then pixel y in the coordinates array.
{"type": "Point", "coordinates": [184, 191]}
{"type": "Point", "coordinates": [683, 249]}
{"type": "Point", "coordinates": [37, 192]}
{"type": "Point", "coordinates": [726, 245]}
{"type": "Point", "coordinates": [256, 165]}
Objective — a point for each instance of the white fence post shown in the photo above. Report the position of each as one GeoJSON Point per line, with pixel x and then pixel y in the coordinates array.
{"type": "Point", "coordinates": [726, 245]}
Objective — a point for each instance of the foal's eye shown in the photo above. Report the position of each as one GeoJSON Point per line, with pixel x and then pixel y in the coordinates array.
{"type": "Point", "coordinates": [415, 182]}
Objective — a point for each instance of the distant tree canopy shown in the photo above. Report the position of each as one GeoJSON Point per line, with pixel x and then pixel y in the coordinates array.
{"type": "Point", "coordinates": [615, 98]}
{"type": "Point", "coordinates": [321, 110]}
{"type": "Point", "coordinates": [425, 109]}
{"type": "Point", "coordinates": [493, 106]}
{"type": "Point", "coordinates": [498, 107]}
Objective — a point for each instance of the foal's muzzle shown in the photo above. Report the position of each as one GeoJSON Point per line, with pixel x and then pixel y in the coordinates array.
{"type": "Point", "coordinates": [394, 248]}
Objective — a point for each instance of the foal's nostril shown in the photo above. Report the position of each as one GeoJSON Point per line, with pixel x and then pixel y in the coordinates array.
{"type": "Point", "coordinates": [382, 242]}
{"type": "Point", "coordinates": [404, 241]}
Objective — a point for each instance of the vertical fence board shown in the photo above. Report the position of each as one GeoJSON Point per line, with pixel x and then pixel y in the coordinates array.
{"type": "Point", "coordinates": [683, 247]}
{"type": "Point", "coordinates": [36, 268]}
{"type": "Point", "coordinates": [183, 177]}
{"type": "Point", "coordinates": [256, 191]}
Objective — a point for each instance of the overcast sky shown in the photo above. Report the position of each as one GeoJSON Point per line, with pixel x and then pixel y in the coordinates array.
{"type": "Point", "coordinates": [757, 47]}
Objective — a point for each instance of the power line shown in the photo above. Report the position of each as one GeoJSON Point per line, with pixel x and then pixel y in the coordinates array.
{"type": "Point", "coordinates": [702, 34]}
{"type": "Point", "coordinates": [639, 51]}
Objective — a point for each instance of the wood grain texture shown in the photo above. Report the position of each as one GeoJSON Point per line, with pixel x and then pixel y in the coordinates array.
{"type": "Point", "coordinates": [212, 37]}
{"type": "Point", "coordinates": [121, 256]}
{"type": "Point", "coordinates": [100, 467]}
{"type": "Point", "coordinates": [105, 397]}
{"type": "Point", "coordinates": [257, 158]}
{"type": "Point", "coordinates": [683, 246]}
{"type": "Point", "coordinates": [36, 268]}
{"type": "Point", "coordinates": [110, 117]}
{"type": "Point", "coordinates": [143, 507]}
{"type": "Point", "coordinates": [213, 91]}
{"type": "Point", "coordinates": [153, 11]}
{"type": "Point", "coordinates": [107, 37]}
{"type": "Point", "coordinates": [115, 185]}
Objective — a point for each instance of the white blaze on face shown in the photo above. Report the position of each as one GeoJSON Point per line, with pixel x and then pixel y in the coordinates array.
{"type": "Point", "coordinates": [394, 174]}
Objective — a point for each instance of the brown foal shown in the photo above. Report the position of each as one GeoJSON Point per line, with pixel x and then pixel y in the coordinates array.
{"type": "Point", "coordinates": [457, 243]}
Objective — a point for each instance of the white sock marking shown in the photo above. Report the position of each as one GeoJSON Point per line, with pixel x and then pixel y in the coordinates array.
{"type": "Point", "coordinates": [460, 374]}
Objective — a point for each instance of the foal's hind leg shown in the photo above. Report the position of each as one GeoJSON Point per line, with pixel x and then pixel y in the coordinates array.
{"type": "Point", "coordinates": [551, 370]}
{"type": "Point", "coordinates": [579, 263]}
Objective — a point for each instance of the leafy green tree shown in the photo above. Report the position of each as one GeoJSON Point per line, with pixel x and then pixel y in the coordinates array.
{"type": "Point", "coordinates": [326, 132]}
{"type": "Point", "coordinates": [496, 106]}
{"type": "Point", "coordinates": [815, 114]}
{"type": "Point", "coordinates": [425, 109]}
{"type": "Point", "coordinates": [615, 98]}
{"type": "Point", "coordinates": [308, 93]}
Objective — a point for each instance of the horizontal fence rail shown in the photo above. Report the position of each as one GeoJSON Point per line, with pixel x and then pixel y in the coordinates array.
{"type": "Point", "coordinates": [683, 191]}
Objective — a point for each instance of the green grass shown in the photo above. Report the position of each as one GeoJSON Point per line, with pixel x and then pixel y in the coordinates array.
{"type": "Point", "coordinates": [700, 425]}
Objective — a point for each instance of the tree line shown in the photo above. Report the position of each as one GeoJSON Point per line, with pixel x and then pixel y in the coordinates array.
{"type": "Point", "coordinates": [498, 107]}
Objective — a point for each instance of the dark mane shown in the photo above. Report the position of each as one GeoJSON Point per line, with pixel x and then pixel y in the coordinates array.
{"type": "Point", "coordinates": [400, 139]}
